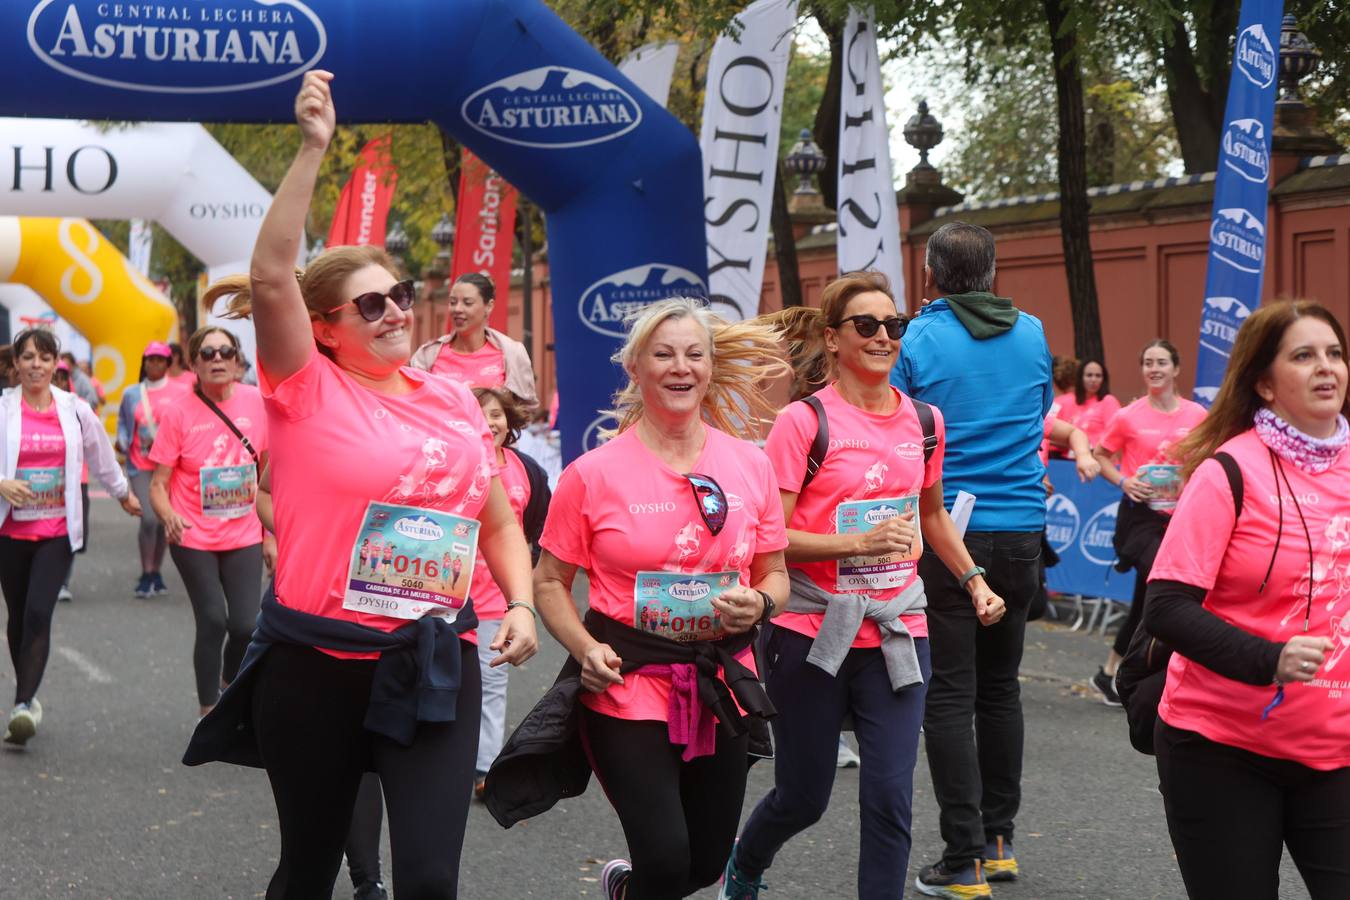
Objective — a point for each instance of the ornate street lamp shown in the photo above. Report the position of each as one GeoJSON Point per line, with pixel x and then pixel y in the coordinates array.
{"type": "Point", "coordinates": [1298, 59]}
{"type": "Point", "coordinates": [805, 160]}
{"type": "Point", "coordinates": [923, 132]}
{"type": "Point", "coordinates": [396, 240]}
{"type": "Point", "coordinates": [443, 233]}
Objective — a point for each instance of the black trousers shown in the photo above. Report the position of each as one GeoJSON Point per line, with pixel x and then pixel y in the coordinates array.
{"type": "Point", "coordinates": [31, 575]}
{"type": "Point", "coordinates": [973, 722]}
{"type": "Point", "coordinates": [679, 818]}
{"type": "Point", "coordinates": [1230, 813]}
{"type": "Point", "coordinates": [308, 709]}
{"type": "Point", "coordinates": [225, 589]}
{"type": "Point", "coordinates": [1143, 533]}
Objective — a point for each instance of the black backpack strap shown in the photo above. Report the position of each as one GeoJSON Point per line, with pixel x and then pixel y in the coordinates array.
{"type": "Point", "coordinates": [929, 425]}
{"type": "Point", "coordinates": [815, 457]}
{"type": "Point", "coordinates": [1230, 468]}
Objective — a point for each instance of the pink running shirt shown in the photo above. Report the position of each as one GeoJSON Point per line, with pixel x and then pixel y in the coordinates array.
{"type": "Point", "coordinates": [1145, 436]}
{"type": "Point", "coordinates": [337, 446]}
{"type": "Point", "coordinates": [1092, 417]}
{"type": "Point", "coordinates": [485, 367]}
{"type": "Point", "coordinates": [192, 437]}
{"type": "Point", "coordinates": [488, 600]}
{"type": "Point", "coordinates": [619, 510]}
{"type": "Point", "coordinates": [42, 445]}
{"type": "Point", "coordinates": [160, 400]}
{"type": "Point", "coordinates": [1202, 548]}
{"type": "Point", "coordinates": [871, 455]}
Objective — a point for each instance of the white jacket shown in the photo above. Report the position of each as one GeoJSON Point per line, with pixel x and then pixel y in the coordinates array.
{"type": "Point", "coordinates": [85, 440]}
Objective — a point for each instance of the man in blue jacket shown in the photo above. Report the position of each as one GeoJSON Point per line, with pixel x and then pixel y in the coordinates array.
{"type": "Point", "coordinates": [986, 365]}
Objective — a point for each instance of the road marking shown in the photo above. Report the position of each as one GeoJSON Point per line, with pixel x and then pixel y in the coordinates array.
{"type": "Point", "coordinates": [81, 662]}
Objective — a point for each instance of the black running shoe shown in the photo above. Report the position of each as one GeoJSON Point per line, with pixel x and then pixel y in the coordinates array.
{"type": "Point", "coordinates": [1106, 686]}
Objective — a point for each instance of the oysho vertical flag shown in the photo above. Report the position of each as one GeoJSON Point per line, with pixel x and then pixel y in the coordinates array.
{"type": "Point", "coordinates": [868, 219]}
{"type": "Point", "coordinates": [1237, 230]}
{"type": "Point", "coordinates": [485, 224]}
{"type": "Point", "coordinates": [742, 113]}
{"type": "Point", "coordinates": [363, 207]}
{"type": "Point", "coordinates": [651, 68]}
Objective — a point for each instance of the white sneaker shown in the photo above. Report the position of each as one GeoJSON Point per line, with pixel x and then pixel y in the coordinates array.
{"type": "Point", "coordinates": [847, 758]}
{"type": "Point", "coordinates": [23, 722]}
{"type": "Point", "coordinates": [64, 595]}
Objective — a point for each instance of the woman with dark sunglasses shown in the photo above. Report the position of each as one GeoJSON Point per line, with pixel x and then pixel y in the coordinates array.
{"type": "Point", "coordinates": [676, 512]}
{"type": "Point", "coordinates": [351, 671]}
{"type": "Point", "coordinates": [203, 490]}
{"type": "Point", "coordinates": [852, 641]}
{"type": "Point", "coordinates": [474, 353]}
{"type": "Point", "coordinates": [1253, 731]}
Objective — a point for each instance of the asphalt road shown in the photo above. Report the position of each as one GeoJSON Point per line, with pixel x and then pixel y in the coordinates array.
{"type": "Point", "coordinates": [98, 805]}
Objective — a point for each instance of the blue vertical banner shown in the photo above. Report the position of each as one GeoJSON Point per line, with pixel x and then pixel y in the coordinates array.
{"type": "Point", "coordinates": [1237, 230]}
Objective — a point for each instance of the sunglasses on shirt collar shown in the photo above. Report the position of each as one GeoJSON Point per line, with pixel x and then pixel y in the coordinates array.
{"type": "Point", "coordinates": [711, 499]}
{"type": "Point", "coordinates": [867, 325]}
{"type": "Point", "coordinates": [371, 304]}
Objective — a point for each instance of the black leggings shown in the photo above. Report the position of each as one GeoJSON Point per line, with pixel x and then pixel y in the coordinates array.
{"type": "Point", "coordinates": [31, 574]}
{"type": "Point", "coordinates": [1230, 813]}
{"type": "Point", "coordinates": [225, 588]}
{"type": "Point", "coordinates": [308, 709]}
{"type": "Point", "coordinates": [679, 818]}
{"type": "Point", "coordinates": [1145, 550]}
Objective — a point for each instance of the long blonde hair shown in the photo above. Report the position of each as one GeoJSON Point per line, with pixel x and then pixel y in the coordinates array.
{"type": "Point", "coordinates": [744, 354]}
{"type": "Point", "coordinates": [1254, 350]}
{"type": "Point", "coordinates": [803, 328]}
{"type": "Point", "coordinates": [320, 283]}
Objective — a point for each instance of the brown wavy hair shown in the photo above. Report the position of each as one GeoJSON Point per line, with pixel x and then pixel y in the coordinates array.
{"type": "Point", "coordinates": [320, 283]}
{"type": "Point", "coordinates": [803, 328]}
{"type": "Point", "coordinates": [1254, 350]}
{"type": "Point", "coordinates": [516, 419]}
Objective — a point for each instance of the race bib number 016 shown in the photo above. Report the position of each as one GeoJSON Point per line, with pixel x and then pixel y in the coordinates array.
{"type": "Point", "coordinates": [49, 495]}
{"type": "Point", "coordinates": [228, 492]}
{"type": "Point", "coordinates": [409, 562]}
{"type": "Point", "coordinates": [876, 573]}
{"type": "Point", "coordinates": [679, 606]}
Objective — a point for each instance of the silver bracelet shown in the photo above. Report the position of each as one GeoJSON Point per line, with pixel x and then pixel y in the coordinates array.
{"type": "Point", "coordinates": [530, 606]}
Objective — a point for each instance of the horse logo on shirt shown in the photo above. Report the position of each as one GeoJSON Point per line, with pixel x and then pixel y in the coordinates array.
{"type": "Point", "coordinates": [687, 541]}
{"type": "Point", "coordinates": [1328, 576]}
{"type": "Point", "coordinates": [1340, 633]}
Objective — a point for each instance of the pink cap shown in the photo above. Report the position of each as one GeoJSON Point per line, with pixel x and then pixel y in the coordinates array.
{"type": "Point", "coordinates": [63, 366]}
{"type": "Point", "coordinates": [158, 348]}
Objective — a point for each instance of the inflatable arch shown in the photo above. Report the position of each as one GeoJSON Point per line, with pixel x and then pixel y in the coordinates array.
{"type": "Point", "coordinates": [618, 177]}
{"type": "Point", "coordinates": [91, 285]}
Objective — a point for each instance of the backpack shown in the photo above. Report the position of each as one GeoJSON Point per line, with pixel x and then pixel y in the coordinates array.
{"type": "Point", "coordinates": [815, 457]}
{"type": "Point", "coordinates": [1142, 674]}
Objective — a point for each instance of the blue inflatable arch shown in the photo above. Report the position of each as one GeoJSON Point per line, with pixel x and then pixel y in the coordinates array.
{"type": "Point", "coordinates": [618, 177]}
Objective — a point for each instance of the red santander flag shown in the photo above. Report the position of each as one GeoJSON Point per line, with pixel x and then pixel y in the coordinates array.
{"type": "Point", "coordinates": [363, 208]}
{"type": "Point", "coordinates": [485, 224]}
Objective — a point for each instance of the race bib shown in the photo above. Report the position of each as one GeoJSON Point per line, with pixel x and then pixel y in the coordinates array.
{"type": "Point", "coordinates": [1166, 484]}
{"type": "Point", "coordinates": [49, 495]}
{"type": "Point", "coordinates": [875, 573]}
{"type": "Point", "coordinates": [678, 606]}
{"type": "Point", "coordinates": [228, 492]}
{"type": "Point", "coordinates": [408, 562]}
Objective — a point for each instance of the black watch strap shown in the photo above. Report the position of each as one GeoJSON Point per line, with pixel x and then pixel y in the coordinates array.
{"type": "Point", "coordinates": [769, 607]}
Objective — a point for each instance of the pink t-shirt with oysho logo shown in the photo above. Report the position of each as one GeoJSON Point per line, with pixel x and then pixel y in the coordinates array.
{"type": "Point", "coordinates": [488, 600]}
{"type": "Point", "coordinates": [338, 446]}
{"type": "Point", "coordinates": [42, 446]}
{"type": "Point", "coordinates": [191, 438]}
{"type": "Point", "coordinates": [870, 456]}
{"type": "Point", "coordinates": [1145, 436]}
{"type": "Point", "coordinates": [1203, 548]}
{"type": "Point", "coordinates": [619, 510]}
{"type": "Point", "coordinates": [485, 367]}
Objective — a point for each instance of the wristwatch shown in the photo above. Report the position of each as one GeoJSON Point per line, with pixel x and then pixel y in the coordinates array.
{"type": "Point", "coordinates": [974, 570]}
{"type": "Point", "coordinates": [769, 607]}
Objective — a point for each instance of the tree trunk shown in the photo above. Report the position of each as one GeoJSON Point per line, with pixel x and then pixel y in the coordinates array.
{"type": "Point", "coordinates": [1073, 200]}
{"type": "Point", "coordinates": [784, 243]}
{"type": "Point", "coordinates": [450, 152]}
{"type": "Point", "coordinates": [1192, 105]}
{"type": "Point", "coordinates": [826, 129]}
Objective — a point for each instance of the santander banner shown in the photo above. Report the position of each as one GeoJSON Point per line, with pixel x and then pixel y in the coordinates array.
{"type": "Point", "coordinates": [363, 207]}
{"type": "Point", "coordinates": [618, 178]}
{"type": "Point", "coordinates": [1237, 233]}
{"type": "Point", "coordinates": [485, 223]}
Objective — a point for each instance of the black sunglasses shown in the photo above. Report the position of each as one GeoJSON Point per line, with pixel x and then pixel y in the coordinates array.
{"type": "Point", "coordinates": [868, 325]}
{"type": "Point", "coordinates": [371, 304]}
{"type": "Point", "coordinates": [712, 501]}
{"type": "Point", "coordinates": [210, 353]}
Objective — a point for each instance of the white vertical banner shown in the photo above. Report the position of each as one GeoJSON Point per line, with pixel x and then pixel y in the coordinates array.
{"type": "Point", "coordinates": [140, 245]}
{"type": "Point", "coordinates": [651, 68]}
{"type": "Point", "coordinates": [742, 114]}
{"type": "Point", "coordinates": [869, 221]}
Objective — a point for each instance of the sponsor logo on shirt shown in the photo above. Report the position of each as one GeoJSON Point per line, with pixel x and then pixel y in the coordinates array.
{"type": "Point", "coordinates": [1096, 541]}
{"type": "Point", "coordinates": [1305, 499]}
{"type": "Point", "coordinates": [1062, 522]}
{"type": "Point", "coordinates": [734, 503]}
{"type": "Point", "coordinates": [662, 506]}
{"type": "Point", "coordinates": [909, 450]}
{"type": "Point", "coordinates": [849, 444]}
